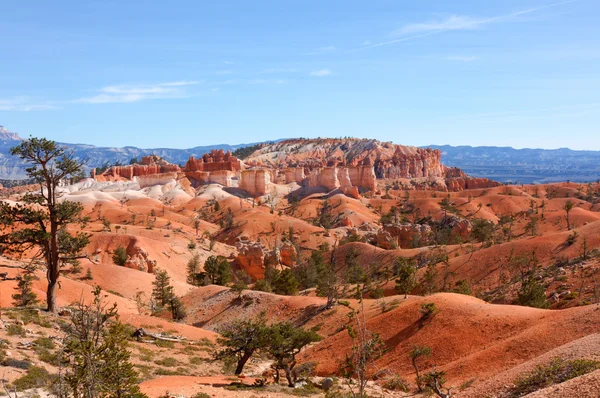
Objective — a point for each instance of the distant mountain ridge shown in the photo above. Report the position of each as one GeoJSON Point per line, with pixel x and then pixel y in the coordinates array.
{"type": "Point", "coordinates": [527, 166]}
{"type": "Point", "coordinates": [12, 168]}
{"type": "Point", "coordinates": [504, 164]}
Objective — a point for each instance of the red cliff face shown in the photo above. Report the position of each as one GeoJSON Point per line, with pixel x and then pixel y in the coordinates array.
{"type": "Point", "coordinates": [150, 165]}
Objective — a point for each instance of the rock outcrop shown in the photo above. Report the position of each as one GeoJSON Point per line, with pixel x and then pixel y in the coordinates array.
{"type": "Point", "coordinates": [214, 167]}
{"type": "Point", "coordinates": [251, 258]}
{"type": "Point", "coordinates": [255, 181]}
{"type": "Point", "coordinates": [156, 179]}
{"type": "Point", "coordinates": [216, 160]}
{"type": "Point", "coordinates": [403, 235]}
{"type": "Point", "coordinates": [137, 258]}
{"type": "Point", "coordinates": [150, 165]}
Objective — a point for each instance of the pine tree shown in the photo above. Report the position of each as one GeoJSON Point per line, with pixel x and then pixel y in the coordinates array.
{"type": "Point", "coordinates": [96, 354]}
{"type": "Point", "coordinates": [25, 296]}
{"type": "Point", "coordinates": [176, 307]}
{"type": "Point", "coordinates": [286, 283]}
{"type": "Point", "coordinates": [41, 217]}
{"type": "Point", "coordinates": [162, 291]}
{"type": "Point", "coordinates": [406, 275]}
{"type": "Point", "coordinates": [193, 270]}
{"type": "Point", "coordinates": [218, 270]}
{"type": "Point", "coordinates": [532, 294]}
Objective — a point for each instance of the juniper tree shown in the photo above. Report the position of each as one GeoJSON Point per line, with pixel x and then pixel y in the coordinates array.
{"type": "Point", "coordinates": [284, 343]}
{"type": "Point", "coordinates": [40, 219]}
{"type": "Point", "coordinates": [241, 339]}
{"type": "Point", "coordinates": [415, 354]}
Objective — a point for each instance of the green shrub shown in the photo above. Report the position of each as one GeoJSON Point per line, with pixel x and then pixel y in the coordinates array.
{"type": "Point", "coordinates": [196, 360]}
{"type": "Point", "coordinates": [396, 383]}
{"type": "Point", "coordinates": [45, 342]}
{"type": "Point", "coordinates": [15, 330]}
{"type": "Point", "coordinates": [428, 310]}
{"type": "Point", "coordinates": [35, 377]}
{"type": "Point", "coordinates": [557, 371]}
{"type": "Point", "coordinates": [120, 256]}
{"type": "Point", "coordinates": [168, 362]}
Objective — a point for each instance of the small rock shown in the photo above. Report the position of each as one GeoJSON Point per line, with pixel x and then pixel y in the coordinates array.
{"type": "Point", "coordinates": [327, 384]}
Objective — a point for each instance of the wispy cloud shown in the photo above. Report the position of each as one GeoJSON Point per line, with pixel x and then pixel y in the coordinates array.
{"type": "Point", "coordinates": [321, 73]}
{"type": "Point", "coordinates": [136, 93]}
{"type": "Point", "coordinates": [23, 104]}
{"type": "Point", "coordinates": [323, 50]}
{"type": "Point", "coordinates": [224, 72]}
{"type": "Point", "coordinates": [462, 58]}
{"type": "Point", "coordinates": [455, 22]}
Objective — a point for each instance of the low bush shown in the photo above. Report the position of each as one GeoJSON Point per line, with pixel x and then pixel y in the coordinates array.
{"type": "Point", "coordinates": [557, 371]}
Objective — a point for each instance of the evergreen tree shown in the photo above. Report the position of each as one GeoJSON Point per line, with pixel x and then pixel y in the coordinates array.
{"type": "Point", "coordinates": [194, 276]}
{"type": "Point", "coordinates": [120, 256]}
{"type": "Point", "coordinates": [25, 296]}
{"type": "Point", "coordinates": [41, 217]}
{"type": "Point", "coordinates": [218, 270]}
{"type": "Point", "coordinates": [241, 339]}
{"type": "Point", "coordinates": [327, 285]}
{"type": "Point", "coordinates": [354, 271]}
{"type": "Point", "coordinates": [176, 307]}
{"type": "Point", "coordinates": [284, 343]}
{"type": "Point", "coordinates": [96, 354]}
{"type": "Point", "coordinates": [162, 291]}
{"type": "Point", "coordinates": [406, 274]}
{"type": "Point", "coordinates": [286, 284]}
{"type": "Point", "coordinates": [532, 294]}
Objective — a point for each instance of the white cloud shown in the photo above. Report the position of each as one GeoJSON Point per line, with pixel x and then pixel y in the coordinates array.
{"type": "Point", "coordinates": [136, 93]}
{"type": "Point", "coordinates": [224, 72]}
{"type": "Point", "coordinates": [321, 73]}
{"type": "Point", "coordinates": [462, 58]}
{"type": "Point", "coordinates": [23, 104]}
{"type": "Point", "coordinates": [454, 22]}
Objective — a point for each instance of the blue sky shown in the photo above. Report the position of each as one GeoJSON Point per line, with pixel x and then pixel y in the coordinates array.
{"type": "Point", "coordinates": [521, 73]}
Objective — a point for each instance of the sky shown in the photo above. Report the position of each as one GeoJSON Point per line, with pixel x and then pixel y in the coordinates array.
{"type": "Point", "coordinates": [179, 74]}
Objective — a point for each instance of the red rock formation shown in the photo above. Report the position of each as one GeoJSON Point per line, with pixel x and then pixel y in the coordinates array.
{"type": "Point", "coordinates": [287, 254]}
{"type": "Point", "coordinates": [216, 160]}
{"type": "Point", "coordinates": [462, 183]}
{"type": "Point", "coordinates": [403, 235]}
{"type": "Point", "coordinates": [251, 258]}
{"type": "Point", "coordinates": [255, 181]}
{"type": "Point", "coordinates": [150, 165]}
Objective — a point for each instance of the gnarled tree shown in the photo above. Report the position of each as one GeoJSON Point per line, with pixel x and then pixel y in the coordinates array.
{"type": "Point", "coordinates": [40, 219]}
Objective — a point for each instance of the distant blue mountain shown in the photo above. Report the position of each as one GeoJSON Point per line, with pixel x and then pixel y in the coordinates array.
{"type": "Point", "coordinates": [527, 166]}
{"type": "Point", "coordinates": [12, 168]}
{"type": "Point", "coordinates": [504, 164]}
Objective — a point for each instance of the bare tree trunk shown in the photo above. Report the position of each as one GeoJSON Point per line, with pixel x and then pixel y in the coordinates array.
{"type": "Point", "coordinates": [288, 376]}
{"type": "Point", "coordinates": [242, 361]}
